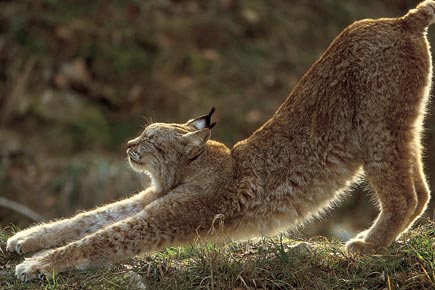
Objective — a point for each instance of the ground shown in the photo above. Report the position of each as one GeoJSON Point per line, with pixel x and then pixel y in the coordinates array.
{"type": "Point", "coordinates": [282, 262]}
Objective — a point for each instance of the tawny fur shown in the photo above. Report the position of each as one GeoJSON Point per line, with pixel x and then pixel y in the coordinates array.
{"type": "Point", "coordinates": [359, 108]}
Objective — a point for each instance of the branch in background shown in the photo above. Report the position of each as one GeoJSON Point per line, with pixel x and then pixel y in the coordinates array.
{"type": "Point", "coordinates": [24, 210]}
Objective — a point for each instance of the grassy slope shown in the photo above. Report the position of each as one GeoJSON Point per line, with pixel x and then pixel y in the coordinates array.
{"type": "Point", "coordinates": [276, 263]}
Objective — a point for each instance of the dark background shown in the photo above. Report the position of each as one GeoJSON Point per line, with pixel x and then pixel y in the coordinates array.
{"type": "Point", "coordinates": [79, 78]}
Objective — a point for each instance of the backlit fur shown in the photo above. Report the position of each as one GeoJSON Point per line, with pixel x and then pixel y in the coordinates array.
{"type": "Point", "coordinates": [358, 110]}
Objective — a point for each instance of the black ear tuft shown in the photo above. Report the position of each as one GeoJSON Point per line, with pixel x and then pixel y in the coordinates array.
{"type": "Point", "coordinates": [203, 121]}
{"type": "Point", "coordinates": [208, 118]}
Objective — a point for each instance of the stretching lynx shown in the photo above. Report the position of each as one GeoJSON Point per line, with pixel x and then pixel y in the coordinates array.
{"type": "Point", "coordinates": [358, 109]}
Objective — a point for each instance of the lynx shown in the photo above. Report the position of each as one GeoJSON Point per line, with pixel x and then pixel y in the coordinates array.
{"type": "Point", "coordinates": [358, 110]}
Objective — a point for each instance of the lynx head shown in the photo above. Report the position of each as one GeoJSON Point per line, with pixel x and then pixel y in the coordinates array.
{"type": "Point", "coordinates": [162, 150]}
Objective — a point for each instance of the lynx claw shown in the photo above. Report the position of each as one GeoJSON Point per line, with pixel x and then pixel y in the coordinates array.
{"type": "Point", "coordinates": [360, 246]}
{"type": "Point", "coordinates": [30, 269]}
{"type": "Point", "coordinates": [26, 271]}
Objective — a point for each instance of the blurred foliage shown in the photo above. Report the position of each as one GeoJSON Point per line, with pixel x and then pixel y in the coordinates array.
{"type": "Point", "coordinates": [79, 78]}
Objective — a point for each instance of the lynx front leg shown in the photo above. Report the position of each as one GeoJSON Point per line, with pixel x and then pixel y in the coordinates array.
{"type": "Point", "coordinates": [161, 224]}
{"type": "Point", "coordinates": [56, 233]}
{"type": "Point", "coordinates": [109, 244]}
{"type": "Point", "coordinates": [392, 179]}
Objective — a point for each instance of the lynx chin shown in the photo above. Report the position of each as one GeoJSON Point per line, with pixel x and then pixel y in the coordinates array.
{"type": "Point", "coordinates": [358, 111]}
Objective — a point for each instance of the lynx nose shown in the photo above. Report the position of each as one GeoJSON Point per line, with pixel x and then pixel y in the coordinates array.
{"type": "Point", "coordinates": [131, 143]}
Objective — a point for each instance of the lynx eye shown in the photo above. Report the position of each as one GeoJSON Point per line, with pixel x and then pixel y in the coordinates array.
{"type": "Point", "coordinates": [148, 137]}
{"type": "Point", "coordinates": [148, 143]}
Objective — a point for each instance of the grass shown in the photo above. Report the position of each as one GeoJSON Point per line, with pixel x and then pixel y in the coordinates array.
{"type": "Point", "coordinates": [270, 263]}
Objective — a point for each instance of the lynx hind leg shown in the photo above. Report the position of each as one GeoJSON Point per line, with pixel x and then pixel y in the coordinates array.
{"type": "Point", "coordinates": [390, 173]}
{"type": "Point", "coordinates": [421, 189]}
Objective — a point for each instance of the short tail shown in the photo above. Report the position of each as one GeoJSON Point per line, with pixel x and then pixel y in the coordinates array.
{"type": "Point", "coordinates": [422, 16]}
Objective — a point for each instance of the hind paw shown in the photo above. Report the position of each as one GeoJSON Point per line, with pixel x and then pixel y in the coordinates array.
{"type": "Point", "coordinates": [360, 246]}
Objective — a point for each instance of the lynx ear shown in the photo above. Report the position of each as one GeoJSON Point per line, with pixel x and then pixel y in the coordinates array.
{"type": "Point", "coordinates": [197, 138]}
{"type": "Point", "coordinates": [202, 122]}
{"type": "Point", "coordinates": [195, 141]}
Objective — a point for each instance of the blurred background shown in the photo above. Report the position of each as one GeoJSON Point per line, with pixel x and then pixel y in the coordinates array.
{"type": "Point", "coordinates": [79, 78]}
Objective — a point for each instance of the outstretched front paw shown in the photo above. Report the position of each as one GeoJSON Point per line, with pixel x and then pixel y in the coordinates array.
{"type": "Point", "coordinates": [360, 246]}
{"type": "Point", "coordinates": [22, 245]}
{"type": "Point", "coordinates": [32, 268]}
{"type": "Point", "coordinates": [11, 244]}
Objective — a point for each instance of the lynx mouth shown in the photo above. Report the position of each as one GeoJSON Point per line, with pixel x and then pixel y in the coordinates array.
{"type": "Point", "coordinates": [134, 159]}
{"type": "Point", "coordinates": [137, 165]}
{"type": "Point", "coordinates": [135, 162]}
{"type": "Point", "coordinates": [133, 155]}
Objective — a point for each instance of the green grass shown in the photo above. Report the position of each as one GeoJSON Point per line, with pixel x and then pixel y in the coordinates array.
{"type": "Point", "coordinates": [270, 263]}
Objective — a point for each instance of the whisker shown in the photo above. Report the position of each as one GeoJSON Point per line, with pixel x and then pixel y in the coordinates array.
{"type": "Point", "coordinates": [149, 119]}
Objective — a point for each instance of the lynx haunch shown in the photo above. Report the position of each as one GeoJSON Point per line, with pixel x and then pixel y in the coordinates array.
{"type": "Point", "coordinates": [358, 110]}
